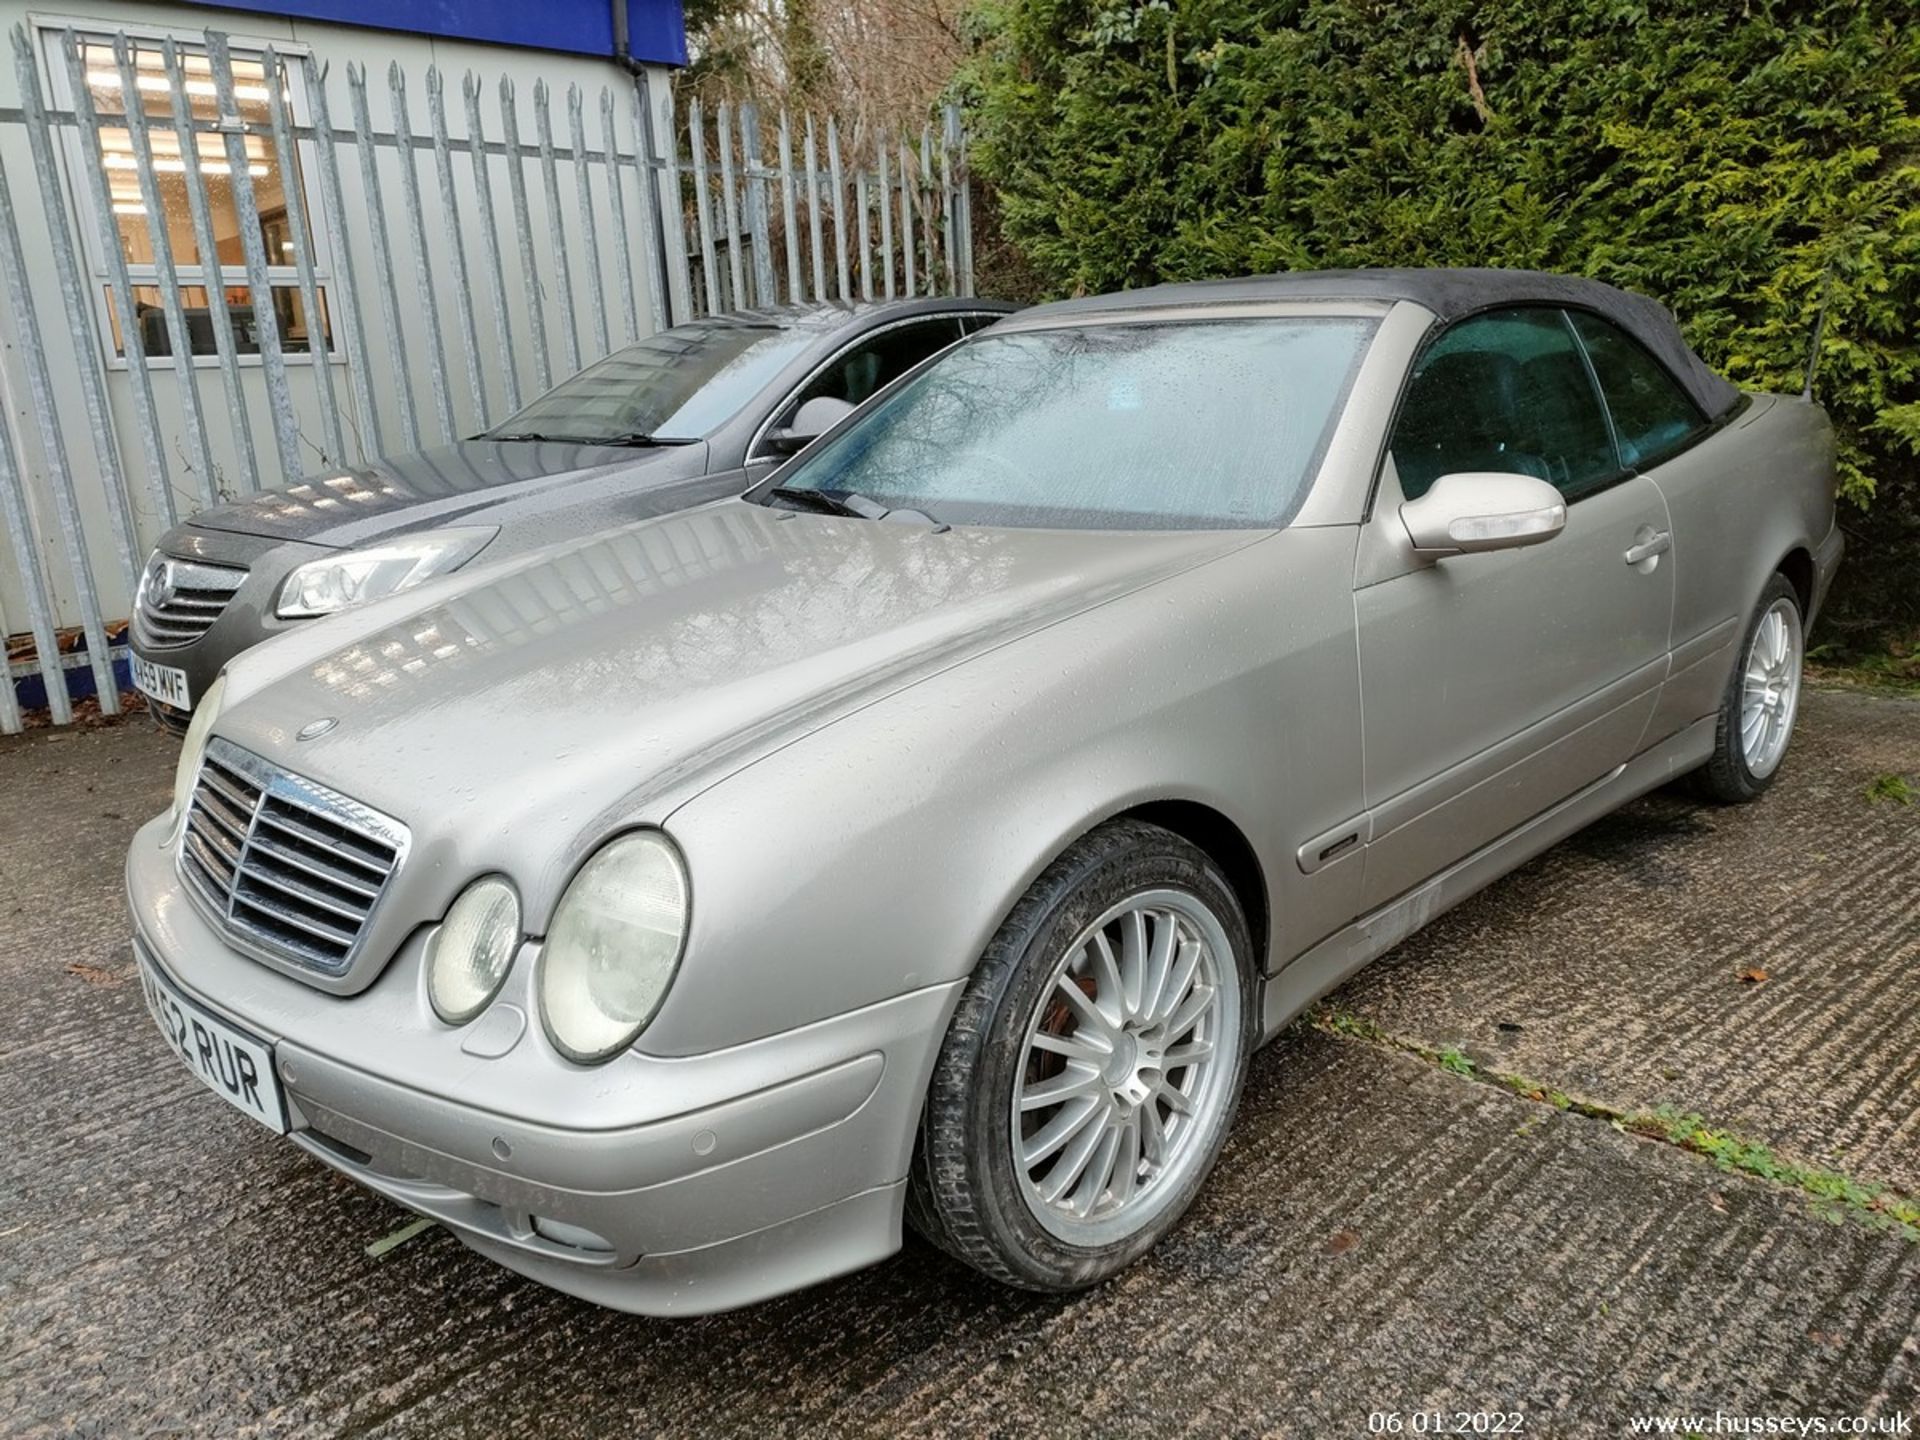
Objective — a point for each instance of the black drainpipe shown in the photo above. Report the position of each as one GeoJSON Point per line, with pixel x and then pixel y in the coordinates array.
{"type": "Point", "coordinates": [623, 57]}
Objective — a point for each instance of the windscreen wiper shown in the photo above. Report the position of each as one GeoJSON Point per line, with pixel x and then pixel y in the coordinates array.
{"type": "Point", "coordinates": [637, 440]}
{"type": "Point", "coordinates": [822, 501]}
{"type": "Point", "coordinates": [633, 438]}
{"type": "Point", "coordinates": [853, 503]}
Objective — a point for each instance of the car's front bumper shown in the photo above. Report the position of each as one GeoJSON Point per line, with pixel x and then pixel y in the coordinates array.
{"type": "Point", "coordinates": [247, 619]}
{"type": "Point", "coordinates": [662, 1186]}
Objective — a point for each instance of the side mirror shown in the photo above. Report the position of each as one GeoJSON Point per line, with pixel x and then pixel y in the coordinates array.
{"type": "Point", "coordinates": [809, 423]}
{"type": "Point", "coordinates": [1483, 510]}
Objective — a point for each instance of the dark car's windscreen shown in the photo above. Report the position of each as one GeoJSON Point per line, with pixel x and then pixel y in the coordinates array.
{"type": "Point", "coordinates": [1212, 424]}
{"type": "Point", "coordinates": [678, 385]}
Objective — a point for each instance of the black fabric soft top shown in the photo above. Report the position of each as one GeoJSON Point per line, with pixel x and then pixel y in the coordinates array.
{"type": "Point", "coordinates": [1449, 294]}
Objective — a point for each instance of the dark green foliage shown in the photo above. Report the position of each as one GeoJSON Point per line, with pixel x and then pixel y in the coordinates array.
{"type": "Point", "coordinates": [1736, 160]}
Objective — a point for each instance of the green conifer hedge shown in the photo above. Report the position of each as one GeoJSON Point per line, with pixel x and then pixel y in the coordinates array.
{"type": "Point", "coordinates": [1737, 160]}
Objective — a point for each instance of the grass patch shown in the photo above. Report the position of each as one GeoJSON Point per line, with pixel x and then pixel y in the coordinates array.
{"type": "Point", "coordinates": [1836, 1196]}
{"type": "Point", "coordinates": [1892, 664]}
{"type": "Point", "coordinates": [1891, 790]}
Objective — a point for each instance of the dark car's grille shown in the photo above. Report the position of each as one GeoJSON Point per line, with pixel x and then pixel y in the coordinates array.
{"type": "Point", "coordinates": [287, 864]}
{"type": "Point", "coordinates": [180, 599]}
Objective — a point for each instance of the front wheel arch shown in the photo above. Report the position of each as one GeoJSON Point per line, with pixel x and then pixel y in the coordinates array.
{"type": "Point", "coordinates": [963, 1192]}
{"type": "Point", "coordinates": [1226, 844]}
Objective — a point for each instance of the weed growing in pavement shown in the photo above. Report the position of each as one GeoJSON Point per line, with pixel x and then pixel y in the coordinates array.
{"type": "Point", "coordinates": [1834, 1193]}
{"type": "Point", "coordinates": [1893, 789]}
{"type": "Point", "coordinates": [1836, 1196]}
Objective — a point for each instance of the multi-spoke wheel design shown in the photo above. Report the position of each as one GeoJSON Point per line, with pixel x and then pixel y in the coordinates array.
{"type": "Point", "coordinates": [1121, 1058]}
{"type": "Point", "coordinates": [1770, 688]}
{"type": "Point", "coordinates": [1092, 1067]}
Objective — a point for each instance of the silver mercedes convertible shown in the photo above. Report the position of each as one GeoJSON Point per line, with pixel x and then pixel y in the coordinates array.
{"type": "Point", "coordinates": [932, 833]}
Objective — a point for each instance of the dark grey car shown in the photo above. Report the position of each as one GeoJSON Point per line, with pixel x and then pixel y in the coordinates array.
{"type": "Point", "coordinates": [689, 415]}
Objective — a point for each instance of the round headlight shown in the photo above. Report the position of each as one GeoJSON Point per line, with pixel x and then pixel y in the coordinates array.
{"type": "Point", "coordinates": [467, 957]}
{"type": "Point", "coordinates": [192, 749]}
{"type": "Point", "coordinates": [613, 946]}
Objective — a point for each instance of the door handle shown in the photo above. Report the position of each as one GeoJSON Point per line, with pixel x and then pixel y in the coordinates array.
{"type": "Point", "coordinates": [1658, 543]}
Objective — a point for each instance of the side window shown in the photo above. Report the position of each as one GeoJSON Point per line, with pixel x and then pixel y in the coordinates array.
{"type": "Point", "coordinates": [1506, 391]}
{"type": "Point", "coordinates": [877, 362]}
{"type": "Point", "coordinates": [971, 323]}
{"type": "Point", "coordinates": [1651, 413]}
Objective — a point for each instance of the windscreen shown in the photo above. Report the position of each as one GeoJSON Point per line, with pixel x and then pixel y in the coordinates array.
{"type": "Point", "coordinates": [680, 384]}
{"type": "Point", "coordinates": [1188, 425]}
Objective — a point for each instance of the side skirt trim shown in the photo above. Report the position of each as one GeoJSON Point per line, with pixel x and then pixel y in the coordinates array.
{"type": "Point", "coordinates": [1312, 974]}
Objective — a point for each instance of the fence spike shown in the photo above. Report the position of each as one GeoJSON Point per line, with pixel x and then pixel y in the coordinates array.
{"type": "Point", "coordinates": [456, 243]}
{"type": "Point", "coordinates": [796, 289]}
{"type": "Point", "coordinates": [885, 199]}
{"type": "Point", "coordinates": [702, 203]}
{"type": "Point", "coordinates": [730, 203]}
{"type": "Point", "coordinates": [319, 346]}
{"type": "Point", "coordinates": [179, 343]}
{"type": "Point", "coordinates": [814, 248]}
{"type": "Point", "coordinates": [838, 181]}
{"type": "Point", "coordinates": [583, 187]}
{"type": "Point", "coordinates": [490, 238]}
{"type": "Point", "coordinates": [523, 230]}
{"type": "Point", "coordinates": [422, 262]}
{"type": "Point", "coordinates": [617, 198]}
{"type": "Point", "coordinates": [344, 300]}
{"type": "Point", "coordinates": [556, 224]}
{"type": "Point", "coordinates": [119, 283]}
{"type": "Point", "coordinates": [382, 255]}
{"type": "Point", "coordinates": [906, 216]}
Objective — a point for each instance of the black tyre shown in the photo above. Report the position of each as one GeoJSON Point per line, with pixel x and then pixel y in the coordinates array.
{"type": "Point", "coordinates": [1092, 1070]}
{"type": "Point", "coordinates": [1762, 698]}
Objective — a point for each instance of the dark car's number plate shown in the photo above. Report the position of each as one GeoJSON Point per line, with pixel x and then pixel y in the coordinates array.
{"type": "Point", "coordinates": [236, 1066]}
{"type": "Point", "coordinates": [161, 682]}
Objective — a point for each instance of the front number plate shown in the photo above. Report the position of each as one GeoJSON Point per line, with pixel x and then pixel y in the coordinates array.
{"type": "Point", "coordinates": [162, 682]}
{"type": "Point", "coordinates": [236, 1066]}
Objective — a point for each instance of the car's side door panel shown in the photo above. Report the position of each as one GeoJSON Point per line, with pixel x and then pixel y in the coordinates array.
{"type": "Point", "coordinates": [1495, 685]}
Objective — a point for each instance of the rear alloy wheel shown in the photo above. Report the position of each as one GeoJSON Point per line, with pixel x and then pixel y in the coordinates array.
{"type": "Point", "coordinates": [1091, 1073]}
{"type": "Point", "coordinates": [1761, 702]}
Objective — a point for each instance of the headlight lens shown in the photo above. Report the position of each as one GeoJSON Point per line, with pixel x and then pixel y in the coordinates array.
{"type": "Point", "coordinates": [467, 957]}
{"type": "Point", "coordinates": [334, 582]}
{"type": "Point", "coordinates": [613, 946]}
{"type": "Point", "coordinates": [194, 747]}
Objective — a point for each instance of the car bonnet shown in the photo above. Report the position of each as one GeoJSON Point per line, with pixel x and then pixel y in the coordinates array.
{"type": "Point", "coordinates": [548, 702]}
{"type": "Point", "coordinates": [447, 484]}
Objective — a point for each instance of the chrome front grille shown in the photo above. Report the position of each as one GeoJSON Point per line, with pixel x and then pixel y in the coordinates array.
{"type": "Point", "coordinates": [289, 865]}
{"type": "Point", "coordinates": [179, 600]}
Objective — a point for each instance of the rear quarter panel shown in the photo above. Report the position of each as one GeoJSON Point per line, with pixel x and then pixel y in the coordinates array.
{"type": "Point", "coordinates": [1741, 502]}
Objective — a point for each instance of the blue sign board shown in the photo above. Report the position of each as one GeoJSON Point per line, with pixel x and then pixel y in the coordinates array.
{"type": "Point", "coordinates": [656, 29]}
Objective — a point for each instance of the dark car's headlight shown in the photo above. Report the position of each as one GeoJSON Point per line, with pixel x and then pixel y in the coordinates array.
{"type": "Point", "coordinates": [353, 577]}
{"type": "Point", "coordinates": [468, 955]}
{"type": "Point", "coordinates": [614, 945]}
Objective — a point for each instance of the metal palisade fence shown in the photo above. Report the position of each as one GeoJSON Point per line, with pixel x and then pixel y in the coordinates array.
{"type": "Point", "coordinates": [226, 266]}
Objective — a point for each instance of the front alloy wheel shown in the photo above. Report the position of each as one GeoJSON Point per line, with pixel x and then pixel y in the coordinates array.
{"type": "Point", "coordinates": [1123, 1063]}
{"type": "Point", "coordinates": [1092, 1069]}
